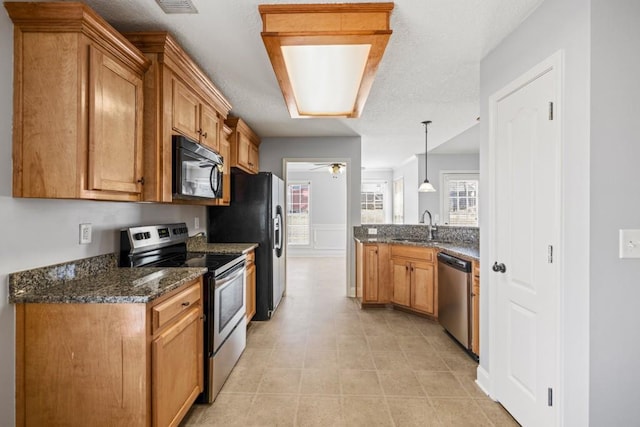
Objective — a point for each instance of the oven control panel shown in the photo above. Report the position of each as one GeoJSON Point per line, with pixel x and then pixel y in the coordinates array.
{"type": "Point", "coordinates": [147, 237]}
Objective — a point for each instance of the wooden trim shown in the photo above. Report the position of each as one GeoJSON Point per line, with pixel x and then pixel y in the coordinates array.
{"type": "Point", "coordinates": [171, 54]}
{"type": "Point", "coordinates": [316, 24]}
{"type": "Point", "coordinates": [76, 17]}
{"type": "Point", "coordinates": [20, 366]}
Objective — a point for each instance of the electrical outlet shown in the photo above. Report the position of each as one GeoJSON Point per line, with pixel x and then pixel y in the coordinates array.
{"type": "Point", "coordinates": [196, 222]}
{"type": "Point", "coordinates": [629, 244]}
{"type": "Point", "coordinates": [372, 230]}
{"type": "Point", "coordinates": [85, 234]}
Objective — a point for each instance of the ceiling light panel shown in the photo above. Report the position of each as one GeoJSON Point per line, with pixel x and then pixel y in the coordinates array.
{"type": "Point", "coordinates": [325, 55]}
{"type": "Point", "coordinates": [177, 6]}
{"type": "Point", "coordinates": [325, 78]}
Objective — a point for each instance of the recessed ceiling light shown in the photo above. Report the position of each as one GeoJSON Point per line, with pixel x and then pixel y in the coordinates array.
{"type": "Point", "coordinates": [177, 6]}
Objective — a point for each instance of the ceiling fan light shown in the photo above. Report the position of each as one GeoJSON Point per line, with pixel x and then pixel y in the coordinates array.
{"type": "Point", "coordinates": [426, 187]}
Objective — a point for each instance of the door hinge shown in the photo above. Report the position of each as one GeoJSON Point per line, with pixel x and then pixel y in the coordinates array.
{"type": "Point", "coordinates": [550, 110]}
{"type": "Point", "coordinates": [549, 396]}
{"type": "Point", "coordinates": [550, 254]}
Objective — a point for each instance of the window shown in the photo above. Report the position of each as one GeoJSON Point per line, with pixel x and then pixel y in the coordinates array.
{"type": "Point", "coordinates": [398, 201]}
{"type": "Point", "coordinates": [460, 198]}
{"type": "Point", "coordinates": [298, 218]}
{"type": "Point", "coordinates": [372, 202]}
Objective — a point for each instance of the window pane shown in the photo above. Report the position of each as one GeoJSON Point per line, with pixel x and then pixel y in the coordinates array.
{"type": "Point", "coordinates": [298, 218]}
{"type": "Point", "coordinates": [372, 207]}
{"type": "Point", "coordinates": [462, 200]}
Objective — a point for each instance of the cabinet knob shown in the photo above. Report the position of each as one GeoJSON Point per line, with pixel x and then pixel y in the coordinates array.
{"type": "Point", "coordinates": [186, 304]}
{"type": "Point", "coordinates": [141, 180]}
{"type": "Point", "coordinates": [204, 135]}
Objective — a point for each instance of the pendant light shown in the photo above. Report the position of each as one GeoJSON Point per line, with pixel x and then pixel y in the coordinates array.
{"type": "Point", "coordinates": [426, 186]}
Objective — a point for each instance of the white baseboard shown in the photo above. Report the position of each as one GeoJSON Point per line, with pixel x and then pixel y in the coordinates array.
{"type": "Point", "coordinates": [311, 253]}
{"type": "Point", "coordinates": [482, 379]}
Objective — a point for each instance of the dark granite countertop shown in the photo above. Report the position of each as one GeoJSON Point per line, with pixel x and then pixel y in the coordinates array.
{"type": "Point", "coordinates": [96, 280]}
{"type": "Point", "coordinates": [200, 244]}
{"type": "Point", "coordinates": [463, 250]}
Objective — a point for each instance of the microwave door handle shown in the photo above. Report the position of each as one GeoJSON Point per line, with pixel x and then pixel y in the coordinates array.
{"type": "Point", "coordinates": [214, 169]}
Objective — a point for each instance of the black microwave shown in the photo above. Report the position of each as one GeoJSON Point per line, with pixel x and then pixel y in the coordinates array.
{"type": "Point", "coordinates": [197, 170]}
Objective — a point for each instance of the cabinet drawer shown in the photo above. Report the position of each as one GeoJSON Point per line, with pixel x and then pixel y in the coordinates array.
{"type": "Point", "coordinates": [422, 254]}
{"type": "Point", "coordinates": [166, 311]}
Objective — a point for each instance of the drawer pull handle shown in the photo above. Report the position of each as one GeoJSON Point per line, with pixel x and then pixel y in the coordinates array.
{"type": "Point", "coordinates": [186, 304]}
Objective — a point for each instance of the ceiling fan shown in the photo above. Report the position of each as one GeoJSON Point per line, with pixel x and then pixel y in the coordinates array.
{"type": "Point", "coordinates": [333, 168]}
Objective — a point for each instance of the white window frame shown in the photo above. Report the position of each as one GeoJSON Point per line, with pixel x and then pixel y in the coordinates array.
{"type": "Point", "coordinates": [445, 176]}
{"type": "Point", "coordinates": [397, 210]}
{"type": "Point", "coordinates": [299, 245]}
{"type": "Point", "coordinates": [384, 187]}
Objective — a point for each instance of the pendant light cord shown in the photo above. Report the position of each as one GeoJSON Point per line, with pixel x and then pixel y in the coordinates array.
{"type": "Point", "coordinates": [426, 131]}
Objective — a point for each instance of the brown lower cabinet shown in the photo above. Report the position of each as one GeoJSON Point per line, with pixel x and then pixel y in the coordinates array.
{"type": "Point", "coordinates": [414, 278]}
{"type": "Point", "coordinates": [251, 285]}
{"type": "Point", "coordinates": [372, 273]}
{"type": "Point", "coordinates": [405, 276]}
{"type": "Point", "coordinates": [110, 364]}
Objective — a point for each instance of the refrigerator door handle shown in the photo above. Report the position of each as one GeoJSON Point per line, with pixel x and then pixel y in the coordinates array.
{"type": "Point", "coordinates": [277, 230]}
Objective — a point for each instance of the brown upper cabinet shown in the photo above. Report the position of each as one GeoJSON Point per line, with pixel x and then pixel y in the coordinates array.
{"type": "Point", "coordinates": [70, 68]}
{"type": "Point", "coordinates": [179, 100]}
{"type": "Point", "coordinates": [244, 146]}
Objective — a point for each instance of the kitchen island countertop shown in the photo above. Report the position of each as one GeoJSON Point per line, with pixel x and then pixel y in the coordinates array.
{"type": "Point", "coordinates": [463, 250]}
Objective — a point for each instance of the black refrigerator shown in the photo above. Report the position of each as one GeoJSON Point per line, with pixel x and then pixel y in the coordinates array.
{"type": "Point", "coordinates": [255, 216]}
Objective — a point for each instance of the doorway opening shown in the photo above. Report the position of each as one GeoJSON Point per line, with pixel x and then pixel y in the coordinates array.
{"type": "Point", "coordinates": [317, 220]}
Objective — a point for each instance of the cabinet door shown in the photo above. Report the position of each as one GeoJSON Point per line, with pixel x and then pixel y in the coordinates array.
{"type": "Point", "coordinates": [370, 288]}
{"type": "Point", "coordinates": [244, 145]}
{"type": "Point", "coordinates": [401, 279]}
{"type": "Point", "coordinates": [186, 111]}
{"type": "Point", "coordinates": [251, 292]}
{"type": "Point", "coordinates": [254, 162]}
{"type": "Point", "coordinates": [422, 287]}
{"type": "Point", "coordinates": [209, 128]}
{"type": "Point", "coordinates": [115, 126]}
{"type": "Point", "coordinates": [177, 364]}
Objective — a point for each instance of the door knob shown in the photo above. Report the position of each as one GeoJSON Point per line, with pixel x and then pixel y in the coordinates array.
{"type": "Point", "coordinates": [499, 268]}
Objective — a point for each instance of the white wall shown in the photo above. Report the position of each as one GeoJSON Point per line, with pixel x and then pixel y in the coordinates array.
{"type": "Point", "coordinates": [409, 172]}
{"type": "Point", "coordinates": [385, 176]}
{"type": "Point", "coordinates": [274, 150]}
{"type": "Point", "coordinates": [556, 24]}
{"type": "Point", "coordinates": [436, 163]}
{"type": "Point", "coordinates": [328, 214]}
{"type": "Point", "coordinates": [615, 202]}
{"type": "Point", "coordinates": [38, 232]}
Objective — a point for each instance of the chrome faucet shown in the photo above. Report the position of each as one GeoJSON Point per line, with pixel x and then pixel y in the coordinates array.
{"type": "Point", "coordinates": [430, 228]}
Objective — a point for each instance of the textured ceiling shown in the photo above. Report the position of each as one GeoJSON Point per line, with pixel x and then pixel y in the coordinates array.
{"type": "Point", "coordinates": [430, 70]}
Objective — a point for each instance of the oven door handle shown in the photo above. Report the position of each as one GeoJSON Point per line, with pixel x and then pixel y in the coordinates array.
{"type": "Point", "coordinates": [229, 276]}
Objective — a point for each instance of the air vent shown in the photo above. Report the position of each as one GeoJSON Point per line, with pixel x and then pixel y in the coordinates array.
{"type": "Point", "coordinates": [177, 6]}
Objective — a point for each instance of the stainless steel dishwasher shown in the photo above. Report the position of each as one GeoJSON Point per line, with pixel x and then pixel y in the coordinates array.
{"type": "Point", "coordinates": [454, 297]}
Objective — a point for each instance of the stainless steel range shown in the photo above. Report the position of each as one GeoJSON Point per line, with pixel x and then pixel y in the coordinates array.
{"type": "Point", "coordinates": [224, 296]}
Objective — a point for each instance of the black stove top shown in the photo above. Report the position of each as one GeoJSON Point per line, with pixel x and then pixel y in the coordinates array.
{"type": "Point", "coordinates": [195, 259]}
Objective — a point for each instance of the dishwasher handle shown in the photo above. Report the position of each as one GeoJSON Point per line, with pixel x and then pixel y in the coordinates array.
{"type": "Point", "coordinates": [457, 263]}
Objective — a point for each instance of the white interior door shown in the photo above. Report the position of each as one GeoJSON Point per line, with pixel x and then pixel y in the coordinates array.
{"type": "Point", "coordinates": [526, 188]}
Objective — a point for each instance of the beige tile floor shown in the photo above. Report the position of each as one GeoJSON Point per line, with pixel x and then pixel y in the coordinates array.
{"type": "Point", "coordinates": [321, 361]}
